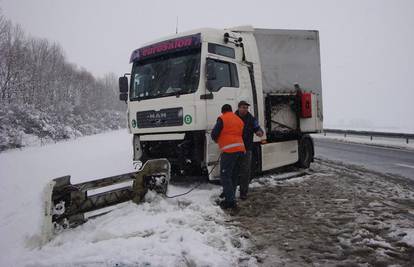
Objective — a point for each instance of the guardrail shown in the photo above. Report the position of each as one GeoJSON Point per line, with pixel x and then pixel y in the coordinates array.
{"type": "Point", "coordinates": [371, 134]}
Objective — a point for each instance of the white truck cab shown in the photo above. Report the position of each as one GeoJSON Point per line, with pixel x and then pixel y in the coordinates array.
{"type": "Point", "coordinates": [179, 83]}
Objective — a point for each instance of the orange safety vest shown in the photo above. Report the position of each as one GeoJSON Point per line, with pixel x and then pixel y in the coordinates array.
{"type": "Point", "coordinates": [231, 136]}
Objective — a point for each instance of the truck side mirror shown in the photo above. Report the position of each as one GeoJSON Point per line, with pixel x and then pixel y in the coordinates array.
{"type": "Point", "coordinates": [210, 74]}
{"type": "Point", "coordinates": [211, 70]}
{"type": "Point", "coordinates": [123, 88]}
{"type": "Point", "coordinates": [123, 84]}
{"type": "Point", "coordinates": [123, 97]}
{"type": "Point", "coordinates": [210, 85]}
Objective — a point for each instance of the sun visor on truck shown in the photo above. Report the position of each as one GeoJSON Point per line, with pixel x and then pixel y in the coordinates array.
{"type": "Point", "coordinates": [169, 46]}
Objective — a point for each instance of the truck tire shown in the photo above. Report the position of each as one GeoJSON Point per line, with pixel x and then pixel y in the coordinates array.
{"type": "Point", "coordinates": [306, 152]}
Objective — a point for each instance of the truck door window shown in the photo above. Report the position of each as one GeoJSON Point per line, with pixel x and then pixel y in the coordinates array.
{"type": "Point", "coordinates": [226, 75]}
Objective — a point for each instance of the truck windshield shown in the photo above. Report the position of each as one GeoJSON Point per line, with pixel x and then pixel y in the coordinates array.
{"type": "Point", "coordinates": [173, 74]}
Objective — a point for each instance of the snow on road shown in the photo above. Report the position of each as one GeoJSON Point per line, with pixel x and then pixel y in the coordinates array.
{"type": "Point", "coordinates": [332, 214]}
{"type": "Point", "coordinates": [160, 232]}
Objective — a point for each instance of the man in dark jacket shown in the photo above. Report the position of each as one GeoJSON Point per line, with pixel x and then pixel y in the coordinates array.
{"type": "Point", "coordinates": [251, 126]}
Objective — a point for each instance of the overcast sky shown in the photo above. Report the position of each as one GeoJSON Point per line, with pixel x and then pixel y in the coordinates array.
{"type": "Point", "coordinates": [367, 47]}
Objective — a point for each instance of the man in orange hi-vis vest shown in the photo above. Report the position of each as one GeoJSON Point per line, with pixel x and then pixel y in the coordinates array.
{"type": "Point", "coordinates": [228, 133]}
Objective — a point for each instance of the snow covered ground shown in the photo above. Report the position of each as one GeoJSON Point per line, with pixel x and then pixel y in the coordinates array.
{"type": "Point", "coordinates": [378, 141]}
{"type": "Point", "coordinates": [331, 214]}
{"type": "Point", "coordinates": [185, 231]}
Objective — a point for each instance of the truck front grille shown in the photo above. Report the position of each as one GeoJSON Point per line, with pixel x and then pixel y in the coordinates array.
{"type": "Point", "coordinates": [163, 118]}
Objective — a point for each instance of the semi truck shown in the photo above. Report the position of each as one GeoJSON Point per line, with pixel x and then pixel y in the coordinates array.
{"type": "Point", "coordinates": [179, 83]}
{"type": "Point", "coordinates": [176, 89]}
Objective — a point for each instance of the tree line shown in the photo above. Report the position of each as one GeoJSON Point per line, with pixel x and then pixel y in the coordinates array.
{"type": "Point", "coordinates": [34, 74]}
{"type": "Point", "coordinates": [35, 71]}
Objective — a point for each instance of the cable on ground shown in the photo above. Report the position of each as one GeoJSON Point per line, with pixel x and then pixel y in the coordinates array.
{"type": "Point", "coordinates": [197, 185]}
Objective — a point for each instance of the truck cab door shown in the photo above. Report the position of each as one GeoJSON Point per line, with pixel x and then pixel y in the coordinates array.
{"type": "Point", "coordinates": [223, 85]}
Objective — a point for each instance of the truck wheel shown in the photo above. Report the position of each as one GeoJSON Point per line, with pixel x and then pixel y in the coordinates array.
{"type": "Point", "coordinates": [305, 152]}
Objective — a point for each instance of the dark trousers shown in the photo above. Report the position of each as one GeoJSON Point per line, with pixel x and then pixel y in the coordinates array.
{"type": "Point", "coordinates": [245, 172]}
{"type": "Point", "coordinates": [229, 174]}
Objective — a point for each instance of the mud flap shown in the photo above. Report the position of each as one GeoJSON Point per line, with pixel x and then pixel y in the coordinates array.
{"type": "Point", "coordinates": [65, 204]}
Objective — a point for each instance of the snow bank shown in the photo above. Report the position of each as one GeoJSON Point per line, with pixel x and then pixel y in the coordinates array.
{"type": "Point", "coordinates": [277, 179]}
{"type": "Point", "coordinates": [189, 230]}
{"type": "Point", "coordinates": [160, 232]}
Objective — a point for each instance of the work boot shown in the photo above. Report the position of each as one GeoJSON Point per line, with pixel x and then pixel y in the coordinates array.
{"type": "Point", "coordinates": [234, 211]}
{"type": "Point", "coordinates": [243, 195]}
{"type": "Point", "coordinates": [225, 205]}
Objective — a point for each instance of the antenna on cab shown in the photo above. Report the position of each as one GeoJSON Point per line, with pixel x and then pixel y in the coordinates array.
{"type": "Point", "coordinates": [176, 26]}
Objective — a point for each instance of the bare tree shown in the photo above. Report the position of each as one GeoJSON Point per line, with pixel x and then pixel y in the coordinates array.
{"type": "Point", "coordinates": [35, 76]}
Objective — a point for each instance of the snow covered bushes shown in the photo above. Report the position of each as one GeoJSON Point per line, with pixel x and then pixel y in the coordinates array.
{"type": "Point", "coordinates": [43, 97]}
{"type": "Point", "coordinates": [22, 125]}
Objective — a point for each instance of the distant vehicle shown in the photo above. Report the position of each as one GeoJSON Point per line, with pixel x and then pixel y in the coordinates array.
{"type": "Point", "coordinates": [179, 83]}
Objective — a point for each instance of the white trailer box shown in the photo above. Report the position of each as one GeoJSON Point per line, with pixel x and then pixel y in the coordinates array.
{"type": "Point", "coordinates": [290, 57]}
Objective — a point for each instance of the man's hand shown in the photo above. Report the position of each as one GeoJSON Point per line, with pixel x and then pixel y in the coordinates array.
{"type": "Point", "coordinates": [259, 133]}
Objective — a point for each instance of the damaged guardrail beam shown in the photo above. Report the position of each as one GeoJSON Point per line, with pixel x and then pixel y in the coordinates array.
{"type": "Point", "coordinates": [66, 203]}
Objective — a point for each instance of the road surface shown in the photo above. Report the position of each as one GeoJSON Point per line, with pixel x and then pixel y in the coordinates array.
{"type": "Point", "coordinates": [380, 159]}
